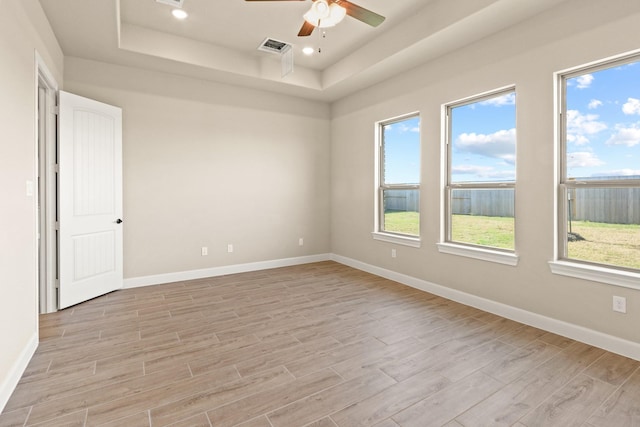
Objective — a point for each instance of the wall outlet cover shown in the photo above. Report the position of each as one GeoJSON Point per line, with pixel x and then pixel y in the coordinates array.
{"type": "Point", "coordinates": [619, 304]}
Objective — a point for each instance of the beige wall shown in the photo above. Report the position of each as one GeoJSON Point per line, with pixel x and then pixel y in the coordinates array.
{"type": "Point", "coordinates": [207, 164]}
{"type": "Point", "coordinates": [526, 55]}
{"type": "Point", "coordinates": [23, 30]}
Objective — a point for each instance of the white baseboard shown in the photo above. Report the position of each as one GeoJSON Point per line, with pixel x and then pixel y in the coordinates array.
{"type": "Point", "coordinates": [157, 279]}
{"type": "Point", "coordinates": [11, 381]}
{"type": "Point", "coordinates": [579, 333]}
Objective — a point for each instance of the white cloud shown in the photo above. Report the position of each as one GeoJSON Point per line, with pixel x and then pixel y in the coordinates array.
{"type": "Point", "coordinates": [508, 99]}
{"type": "Point", "coordinates": [402, 127]}
{"type": "Point", "coordinates": [632, 106]}
{"type": "Point", "coordinates": [583, 159]}
{"type": "Point", "coordinates": [405, 128]}
{"type": "Point", "coordinates": [595, 103]}
{"type": "Point", "coordinates": [584, 123]}
{"type": "Point", "coordinates": [579, 125]}
{"type": "Point", "coordinates": [486, 172]}
{"type": "Point", "coordinates": [619, 172]}
{"type": "Point", "coordinates": [629, 136]}
{"type": "Point", "coordinates": [577, 139]}
{"type": "Point", "coordinates": [584, 81]}
{"type": "Point", "coordinates": [471, 170]}
{"type": "Point", "coordinates": [498, 145]}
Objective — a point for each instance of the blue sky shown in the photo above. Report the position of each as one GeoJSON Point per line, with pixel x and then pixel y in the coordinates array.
{"type": "Point", "coordinates": [603, 123]}
{"type": "Point", "coordinates": [402, 152]}
{"type": "Point", "coordinates": [483, 136]}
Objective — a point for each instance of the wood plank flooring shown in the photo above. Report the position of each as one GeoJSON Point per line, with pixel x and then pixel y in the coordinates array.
{"type": "Point", "coordinates": [318, 345]}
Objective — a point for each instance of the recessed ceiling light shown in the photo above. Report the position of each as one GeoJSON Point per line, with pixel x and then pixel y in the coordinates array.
{"type": "Point", "coordinates": [308, 50]}
{"type": "Point", "coordinates": [179, 13]}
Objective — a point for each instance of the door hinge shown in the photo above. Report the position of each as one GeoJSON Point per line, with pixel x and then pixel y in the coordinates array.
{"type": "Point", "coordinates": [56, 168]}
{"type": "Point", "coordinates": [57, 225]}
{"type": "Point", "coordinates": [55, 110]}
{"type": "Point", "coordinates": [57, 284]}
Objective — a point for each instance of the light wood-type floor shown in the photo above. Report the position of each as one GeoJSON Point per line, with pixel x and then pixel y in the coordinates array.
{"type": "Point", "coordinates": [319, 345]}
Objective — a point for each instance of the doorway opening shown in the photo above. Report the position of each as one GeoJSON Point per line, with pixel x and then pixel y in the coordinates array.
{"type": "Point", "coordinates": [47, 193]}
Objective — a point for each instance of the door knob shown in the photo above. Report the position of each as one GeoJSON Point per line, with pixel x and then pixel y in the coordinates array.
{"type": "Point", "coordinates": [118, 221]}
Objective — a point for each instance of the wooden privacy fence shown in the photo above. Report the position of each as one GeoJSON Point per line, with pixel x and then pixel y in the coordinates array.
{"type": "Point", "coordinates": [483, 202]}
{"type": "Point", "coordinates": [464, 202]}
{"type": "Point", "coordinates": [608, 205]}
{"type": "Point", "coordinates": [402, 200]}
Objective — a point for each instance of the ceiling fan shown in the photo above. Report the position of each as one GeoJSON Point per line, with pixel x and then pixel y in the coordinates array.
{"type": "Point", "coordinates": [327, 13]}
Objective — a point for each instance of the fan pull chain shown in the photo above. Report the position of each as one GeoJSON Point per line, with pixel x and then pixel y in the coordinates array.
{"type": "Point", "coordinates": [322, 35]}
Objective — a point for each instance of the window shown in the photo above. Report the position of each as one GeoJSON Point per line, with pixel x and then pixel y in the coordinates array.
{"type": "Point", "coordinates": [599, 192]}
{"type": "Point", "coordinates": [398, 195]}
{"type": "Point", "coordinates": [481, 171]}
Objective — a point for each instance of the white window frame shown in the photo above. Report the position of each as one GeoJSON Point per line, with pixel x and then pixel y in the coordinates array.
{"type": "Point", "coordinates": [562, 265]}
{"type": "Point", "coordinates": [446, 245]}
{"type": "Point", "coordinates": [378, 233]}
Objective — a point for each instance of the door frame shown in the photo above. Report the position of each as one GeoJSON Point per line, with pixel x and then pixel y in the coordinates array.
{"type": "Point", "coordinates": [46, 148]}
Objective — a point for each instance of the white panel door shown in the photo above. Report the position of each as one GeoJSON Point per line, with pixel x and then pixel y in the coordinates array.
{"type": "Point", "coordinates": [89, 199]}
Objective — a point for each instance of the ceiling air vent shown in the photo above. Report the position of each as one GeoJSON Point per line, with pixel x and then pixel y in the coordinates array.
{"type": "Point", "coordinates": [174, 3]}
{"type": "Point", "coordinates": [274, 46]}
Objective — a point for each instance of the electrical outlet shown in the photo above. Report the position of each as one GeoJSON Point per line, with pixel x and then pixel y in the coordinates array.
{"type": "Point", "coordinates": [229, 248]}
{"type": "Point", "coordinates": [393, 253]}
{"type": "Point", "coordinates": [300, 241]}
{"type": "Point", "coordinates": [204, 251]}
{"type": "Point", "coordinates": [619, 304]}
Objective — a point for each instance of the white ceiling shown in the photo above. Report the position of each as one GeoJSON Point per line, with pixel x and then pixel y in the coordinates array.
{"type": "Point", "coordinates": [219, 39]}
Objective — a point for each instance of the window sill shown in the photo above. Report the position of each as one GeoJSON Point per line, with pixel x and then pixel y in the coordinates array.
{"type": "Point", "coordinates": [414, 242]}
{"type": "Point", "coordinates": [479, 253]}
{"type": "Point", "coordinates": [595, 273]}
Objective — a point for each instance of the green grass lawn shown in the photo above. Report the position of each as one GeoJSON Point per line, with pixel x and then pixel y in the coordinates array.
{"type": "Point", "coordinates": [402, 222]}
{"type": "Point", "coordinates": [493, 231]}
{"type": "Point", "coordinates": [613, 244]}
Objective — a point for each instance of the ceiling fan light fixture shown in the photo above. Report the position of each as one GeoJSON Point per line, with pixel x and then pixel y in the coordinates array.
{"type": "Point", "coordinates": [320, 8]}
{"type": "Point", "coordinates": [324, 15]}
{"type": "Point", "coordinates": [337, 14]}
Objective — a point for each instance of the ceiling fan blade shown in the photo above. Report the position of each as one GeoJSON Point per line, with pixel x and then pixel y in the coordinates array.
{"type": "Point", "coordinates": [360, 13]}
{"type": "Point", "coordinates": [306, 29]}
